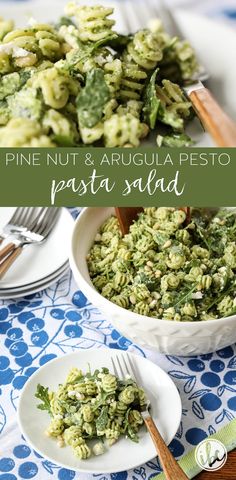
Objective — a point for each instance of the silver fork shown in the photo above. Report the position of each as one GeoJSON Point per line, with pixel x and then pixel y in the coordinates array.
{"type": "Point", "coordinates": [123, 366]}
{"type": "Point", "coordinates": [219, 125]}
{"type": "Point", "coordinates": [17, 222]}
{"type": "Point", "coordinates": [25, 220]}
{"type": "Point", "coordinates": [36, 233]}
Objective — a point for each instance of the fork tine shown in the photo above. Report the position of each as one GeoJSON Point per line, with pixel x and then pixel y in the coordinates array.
{"type": "Point", "coordinates": [152, 7]}
{"type": "Point", "coordinates": [52, 219]}
{"type": "Point", "coordinates": [18, 215]}
{"type": "Point", "coordinates": [125, 17]}
{"type": "Point", "coordinates": [114, 367]}
{"type": "Point", "coordinates": [42, 226]}
{"type": "Point", "coordinates": [33, 225]}
{"type": "Point", "coordinates": [46, 221]}
{"type": "Point", "coordinates": [168, 20]}
{"type": "Point", "coordinates": [142, 16]}
{"type": "Point", "coordinates": [126, 366]}
{"type": "Point", "coordinates": [27, 216]}
{"type": "Point", "coordinates": [131, 366]}
{"type": "Point", "coordinates": [42, 220]}
{"type": "Point", "coordinates": [120, 367]}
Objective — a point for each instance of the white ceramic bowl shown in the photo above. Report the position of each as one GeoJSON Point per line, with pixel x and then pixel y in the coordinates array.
{"type": "Point", "coordinates": [176, 338]}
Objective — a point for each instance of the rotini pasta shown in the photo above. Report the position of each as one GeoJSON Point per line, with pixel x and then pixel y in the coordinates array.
{"type": "Point", "coordinates": [93, 22]}
{"type": "Point", "coordinates": [145, 49]}
{"type": "Point", "coordinates": [123, 130]}
{"type": "Point", "coordinates": [94, 405]}
{"type": "Point", "coordinates": [166, 269]}
{"type": "Point", "coordinates": [50, 73]}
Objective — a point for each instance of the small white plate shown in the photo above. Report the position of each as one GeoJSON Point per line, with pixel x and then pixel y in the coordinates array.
{"type": "Point", "coordinates": [35, 284]}
{"type": "Point", "coordinates": [165, 402]}
{"type": "Point", "coordinates": [34, 288]}
{"type": "Point", "coordinates": [37, 262]}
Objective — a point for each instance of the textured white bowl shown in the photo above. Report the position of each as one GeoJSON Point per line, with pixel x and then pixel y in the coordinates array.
{"type": "Point", "coordinates": [176, 338]}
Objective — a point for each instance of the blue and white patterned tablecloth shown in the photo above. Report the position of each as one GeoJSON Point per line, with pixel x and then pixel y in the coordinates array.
{"type": "Point", "coordinates": [59, 320]}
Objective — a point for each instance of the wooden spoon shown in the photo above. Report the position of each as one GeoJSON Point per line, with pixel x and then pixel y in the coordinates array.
{"type": "Point", "coordinates": [126, 216]}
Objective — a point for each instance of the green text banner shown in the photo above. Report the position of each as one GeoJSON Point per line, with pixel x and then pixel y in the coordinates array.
{"type": "Point", "coordinates": [124, 177]}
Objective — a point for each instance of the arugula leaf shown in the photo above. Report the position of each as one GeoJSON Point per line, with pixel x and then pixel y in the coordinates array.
{"type": "Point", "coordinates": [126, 419]}
{"type": "Point", "coordinates": [119, 42]}
{"type": "Point", "coordinates": [160, 237]}
{"type": "Point", "coordinates": [85, 50]}
{"type": "Point", "coordinates": [185, 297]}
{"type": "Point", "coordinates": [42, 394]}
{"type": "Point", "coordinates": [202, 235]}
{"type": "Point", "coordinates": [25, 75]}
{"type": "Point", "coordinates": [125, 383]}
{"type": "Point", "coordinates": [150, 283]}
{"type": "Point", "coordinates": [152, 104]}
{"type": "Point", "coordinates": [92, 99]}
{"type": "Point", "coordinates": [221, 296]}
{"type": "Point", "coordinates": [103, 418]}
{"type": "Point", "coordinates": [102, 400]}
{"type": "Point", "coordinates": [63, 141]}
{"type": "Point", "coordinates": [129, 429]}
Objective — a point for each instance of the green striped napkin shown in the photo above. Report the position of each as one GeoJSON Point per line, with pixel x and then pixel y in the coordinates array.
{"type": "Point", "coordinates": [227, 435]}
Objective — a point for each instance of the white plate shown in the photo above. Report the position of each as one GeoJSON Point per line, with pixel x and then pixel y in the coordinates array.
{"type": "Point", "coordinates": [212, 40]}
{"type": "Point", "coordinates": [37, 262]}
{"type": "Point", "coordinates": [166, 410]}
{"type": "Point", "coordinates": [35, 284]}
{"type": "Point", "coordinates": [5, 295]}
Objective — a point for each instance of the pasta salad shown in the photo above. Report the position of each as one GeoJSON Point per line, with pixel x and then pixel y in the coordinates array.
{"type": "Point", "coordinates": [167, 269]}
{"type": "Point", "coordinates": [90, 406]}
{"type": "Point", "coordinates": [77, 82]}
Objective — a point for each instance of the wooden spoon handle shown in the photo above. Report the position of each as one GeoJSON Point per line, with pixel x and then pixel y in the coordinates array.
{"type": "Point", "coordinates": [171, 468]}
{"type": "Point", "coordinates": [6, 264]}
{"type": "Point", "coordinates": [6, 250]}
{"type": "Point", "coordinates": [126, 216]}
{"type": "Point", "coordinates": [216, 122]}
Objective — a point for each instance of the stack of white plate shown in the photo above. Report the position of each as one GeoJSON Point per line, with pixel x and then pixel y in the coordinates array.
{"type": "Point", "coordinates": [38, 266]}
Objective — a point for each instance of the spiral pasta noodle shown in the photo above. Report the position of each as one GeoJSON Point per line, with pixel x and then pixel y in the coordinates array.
{"type": "Point", "coordinates": [24, 133]}
{"type": "Point", "coordinates": [132, 82]}
{"type": "Point", "coordinates": [113, 75]}
{"type": "Point", "coordinates": [123, 130]}
{"type": "Point", "coordinates": [56, 87]}
{"type": "Point", "coordinates": [93, 22]}
{"type": "Point", "coordinates": [145, 49]}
